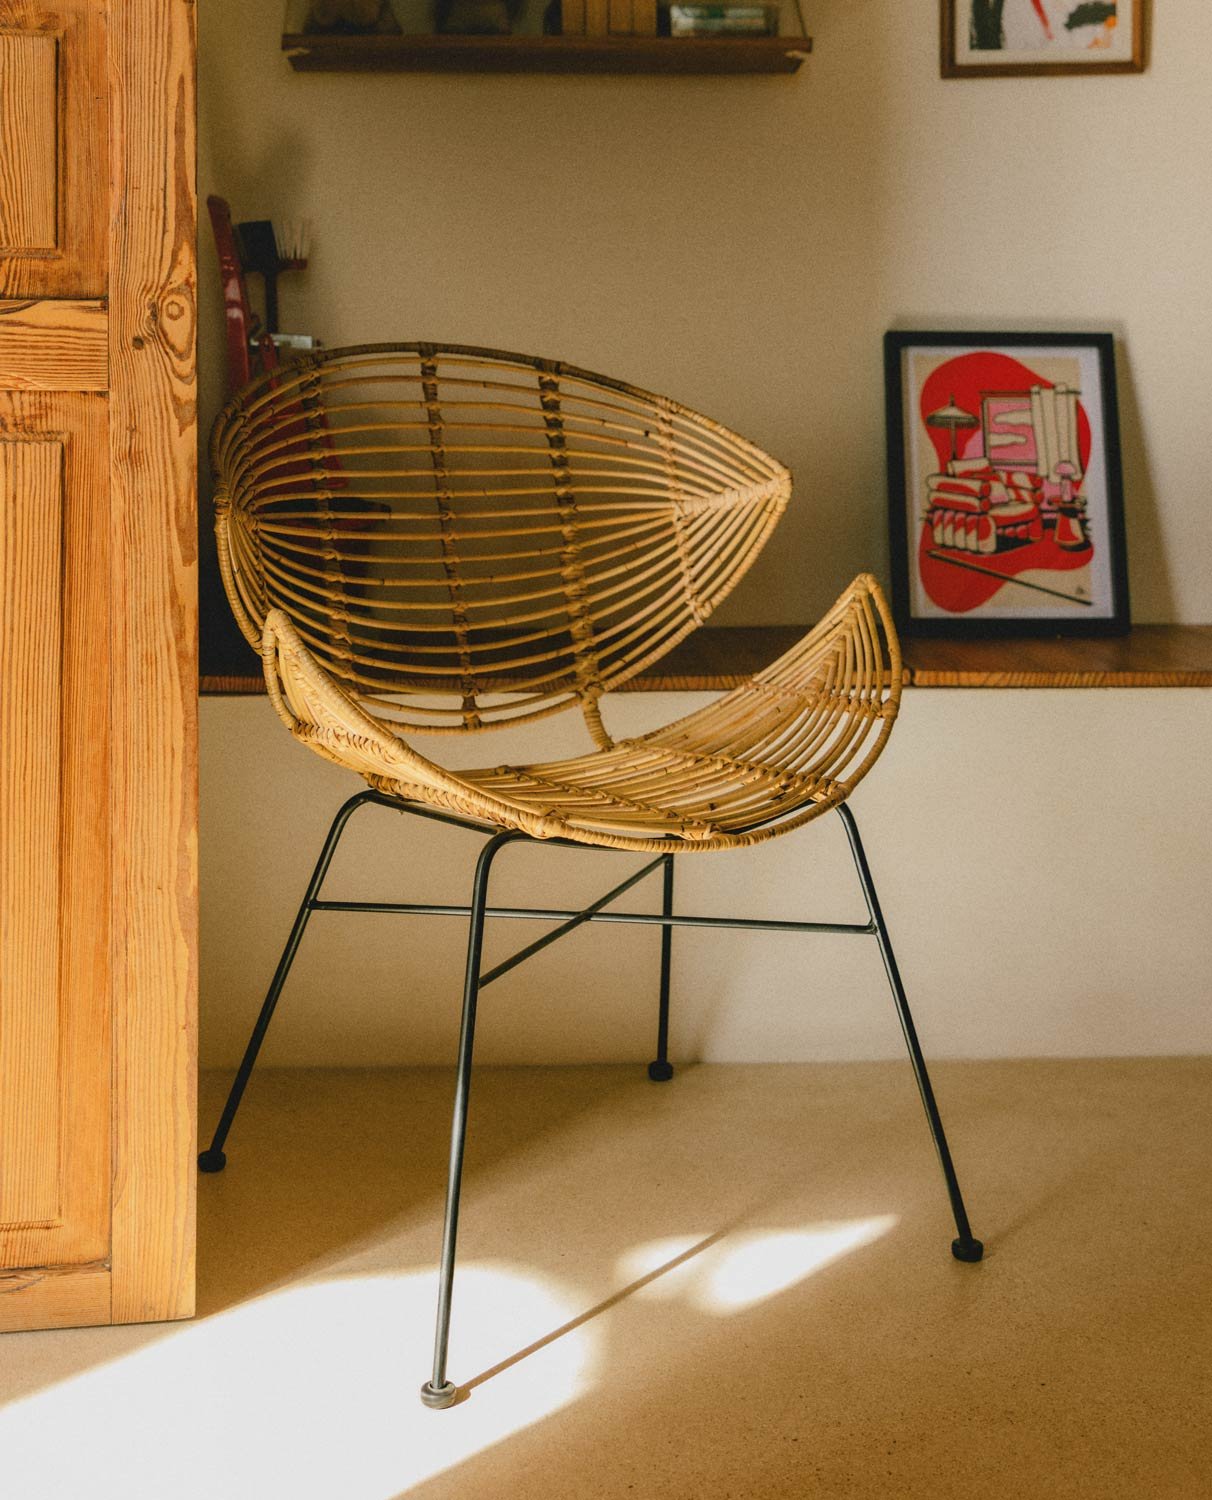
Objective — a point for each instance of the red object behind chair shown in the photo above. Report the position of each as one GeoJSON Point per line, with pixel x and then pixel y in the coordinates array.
{"type": "Point", "coordinates": [250, 350]}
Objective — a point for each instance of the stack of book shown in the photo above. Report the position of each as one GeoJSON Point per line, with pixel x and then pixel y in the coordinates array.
{"type": "Point", "coordinates": [723, 20]}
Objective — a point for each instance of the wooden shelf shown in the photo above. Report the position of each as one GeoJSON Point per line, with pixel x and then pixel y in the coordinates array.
{"type": "Point", "coordinates": [716, 657]}
{"type": "Point", "coordinates": [723, 656]}
{"type": "Point", "coordinates": [546, 54]}
{"type": "Point", "coordinates": [1148, 656]}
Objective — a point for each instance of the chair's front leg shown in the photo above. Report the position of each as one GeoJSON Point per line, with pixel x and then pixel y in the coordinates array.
{"type": "Point", "coordinates": [966, 1247]}
{"type": "Point", "coordinates": [214, 1159]}
{"type": "Point", "coordinates": [438, 1392]}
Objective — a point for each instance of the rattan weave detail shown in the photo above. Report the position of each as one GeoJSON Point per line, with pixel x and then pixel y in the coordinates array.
{"type": "Point", "coordinates": [431, 538]}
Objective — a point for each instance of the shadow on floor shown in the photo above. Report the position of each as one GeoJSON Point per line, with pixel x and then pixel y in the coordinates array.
{"type": "Point", "coordinates": [320, 1161]}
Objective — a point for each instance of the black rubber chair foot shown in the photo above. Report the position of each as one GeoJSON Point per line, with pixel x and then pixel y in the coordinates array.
{"type": "Point", "coordinates": [967, 1250]}
{"type": "Point", "coordinates": [438, 1397]}
{"type": "Point", "coordinates": [211, 1161]}
{"type": "Point", "coordinates": [660, 1072]}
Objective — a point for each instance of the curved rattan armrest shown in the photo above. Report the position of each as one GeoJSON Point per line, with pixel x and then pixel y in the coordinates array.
{"type": "Point", "coordinates": [322, 715]}
{"type": "Point", "coordinates": [797, 738]}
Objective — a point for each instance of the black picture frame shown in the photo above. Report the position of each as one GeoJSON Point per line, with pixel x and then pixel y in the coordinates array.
{"type": "Point", "coordinates": [1088, 521]}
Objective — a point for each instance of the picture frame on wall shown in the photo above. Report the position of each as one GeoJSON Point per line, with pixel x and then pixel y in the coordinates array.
{"type": "Point", "coordinates": [1004, 38]}
{"type": "Point", "coordinates": [1005, 484]}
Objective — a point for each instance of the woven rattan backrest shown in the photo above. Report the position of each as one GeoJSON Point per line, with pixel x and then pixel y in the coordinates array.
{"type": "Point", "coordinates": [465, 538]}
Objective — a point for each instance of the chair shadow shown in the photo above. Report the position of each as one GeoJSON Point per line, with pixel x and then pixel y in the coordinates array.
{"type": "Point", "coordinates": [320, 1160]}
{"type": "Point", "coordinates": [638, 1285]}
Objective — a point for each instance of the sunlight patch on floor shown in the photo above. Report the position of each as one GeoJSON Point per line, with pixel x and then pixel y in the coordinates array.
{"type": "Point", "coordinates": [739, 1270]}
{"type": "Point", "coordinates": [759, 1265]}
{"type": "Point", "coordinates": [310, 1392]}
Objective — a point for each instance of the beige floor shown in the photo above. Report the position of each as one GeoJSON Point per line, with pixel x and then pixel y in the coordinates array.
{"type": "Point", "coordinates": [736, 1285]}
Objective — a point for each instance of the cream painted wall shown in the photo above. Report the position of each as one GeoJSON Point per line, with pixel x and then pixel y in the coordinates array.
{"type": "Point", "coordinates": [1043, 860]}
{"type": "Point", "coordinates": [742, 244]}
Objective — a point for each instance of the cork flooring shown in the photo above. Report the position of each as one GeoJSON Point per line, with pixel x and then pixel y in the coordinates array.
{"type": "Point", "coordinates": [737, 1284]}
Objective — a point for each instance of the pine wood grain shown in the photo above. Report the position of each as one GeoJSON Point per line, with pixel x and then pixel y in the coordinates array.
{"type": "Point", "coordinates": [154, 748]}
{"type": "Point", "coordinates": [31, 652]}
{"type": "Point", "coordinates": [54, 346]}
{"type": "Point", "coordinates": [66, 109]}
{"type": "Point", "coordinates": [120, 1075]}
{"type": "Point", "coordinates": [76, 1298]}
{"type": "Point", "coordinates": [28, 65]}
{"type": "Point", "coordinates": [66, 693]}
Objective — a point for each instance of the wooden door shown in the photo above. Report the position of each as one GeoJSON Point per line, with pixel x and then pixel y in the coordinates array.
{"type": "Point", "coordinates": [97, 661]}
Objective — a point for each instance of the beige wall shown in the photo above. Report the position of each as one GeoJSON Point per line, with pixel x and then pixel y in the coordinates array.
{"type": "Point", "coordinates": [742, 244]}
{"type": "Point", "coordinates": [1043, 860]}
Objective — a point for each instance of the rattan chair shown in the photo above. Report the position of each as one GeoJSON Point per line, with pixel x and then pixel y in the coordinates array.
{"type": "Point", "coordinates": [428, 538]}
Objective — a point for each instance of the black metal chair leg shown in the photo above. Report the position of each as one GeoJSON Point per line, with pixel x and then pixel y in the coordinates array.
{"type": "Point", "coordinates": [966, 1247]}
{"type": "Point", "coordinates": [438, 1392]}
{"type": "Point", "coordinates": [214, 1159]}
{"type": "Point", "coordinates": [660, 1070]}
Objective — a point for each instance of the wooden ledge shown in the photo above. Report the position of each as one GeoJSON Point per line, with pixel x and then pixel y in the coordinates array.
{"type": "Point", "coordinates": [719, 657]}
{"type": "Point", "coordinates": [1149, 656]}
{"type": "Point", "coordinates": [546, 54]}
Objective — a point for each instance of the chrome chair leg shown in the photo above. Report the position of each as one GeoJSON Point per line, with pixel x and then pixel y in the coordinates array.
{"type": "Point", "coordinates": [438, 1392]}
{"type": "Point", "coordinates": [965, 1247]}
{"type": "Point", "coordinates": [660, 1070]}
{"type": "Point", "coordinates": [214, 1158]}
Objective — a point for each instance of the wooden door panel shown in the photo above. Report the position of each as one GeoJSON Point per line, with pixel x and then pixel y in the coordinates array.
{"type": "Point", "coordinates": [31, 654]}
{"type": "Point", "coordinates": [55, 1047]}
{"type": "Point", "coordinates": [98, 667]}
{"type": "Point", "coordinates": [28, 129]}
{"type": "Point", "coordinates": [53, 160]}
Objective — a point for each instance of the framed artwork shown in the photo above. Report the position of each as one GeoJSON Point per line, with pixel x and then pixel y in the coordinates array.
{"type": "Point", "coordinates": [992, 38]}
{"type": "Point", "coordinates": [1004, 484]}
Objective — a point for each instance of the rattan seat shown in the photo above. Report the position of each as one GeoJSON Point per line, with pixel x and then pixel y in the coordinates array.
{"type": "Point", "coordinates": [763, 759]}
{"type": "Point", "coordinates": [429, 539]}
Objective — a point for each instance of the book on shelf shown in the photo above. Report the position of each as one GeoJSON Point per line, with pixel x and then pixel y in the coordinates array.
{"type": "Point", "coordinates": [633, 17]}
{"type": "Point", "coordinates": [597, 17]}
{"type": "Point", "coordinates": [723, 20]}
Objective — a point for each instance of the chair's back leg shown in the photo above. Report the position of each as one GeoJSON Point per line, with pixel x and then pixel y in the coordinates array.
{"type": "Point", "coordinates": [214, 1159]}
{"type": "Point", "coordinates": [439, 1392]}
{"type": "Point", "coordinates": [966, 1247]}
{"type": "Point", "coordinates": [660, 1070]}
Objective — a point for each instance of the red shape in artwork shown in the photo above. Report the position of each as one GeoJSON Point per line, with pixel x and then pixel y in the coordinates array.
{"type": "Point", "coordinates": [968, 378]}
{"type": "Point", "coordinates": [987, 521]}
{"type": "Point", "coordinates": [960, 589]}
